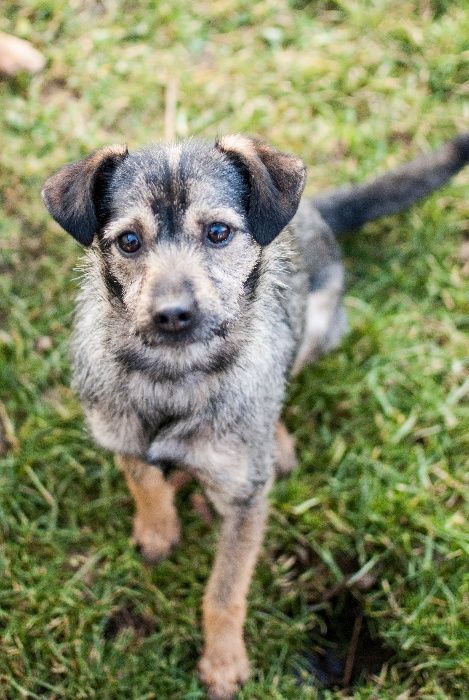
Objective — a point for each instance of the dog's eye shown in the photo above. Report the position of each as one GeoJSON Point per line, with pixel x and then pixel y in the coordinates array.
{"type": "Point", "coordinates": [129, 242]}
{"type": "Point", "coordinates": [218, 233]}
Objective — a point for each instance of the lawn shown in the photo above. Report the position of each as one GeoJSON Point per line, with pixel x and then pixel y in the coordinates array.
{"type": "Point", "coordinates": [369, 532]}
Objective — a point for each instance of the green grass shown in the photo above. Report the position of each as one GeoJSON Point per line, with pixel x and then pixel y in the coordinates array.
{"type": "Point", "coordinates": [381, 424]}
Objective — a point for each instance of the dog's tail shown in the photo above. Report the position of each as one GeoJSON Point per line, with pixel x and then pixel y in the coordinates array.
{"type": "Point", "coordinates": [349, 208]}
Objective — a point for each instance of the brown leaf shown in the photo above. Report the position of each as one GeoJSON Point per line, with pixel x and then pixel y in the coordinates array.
{"type": "Point", "coordinates": [18, 55]}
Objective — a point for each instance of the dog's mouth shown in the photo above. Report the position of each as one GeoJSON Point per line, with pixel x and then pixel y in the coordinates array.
{"type": "Point", "coordinates": [202, 333]}
{"type": "Point", "coordinates": [209, 350]}
{"type": "Point", "coordinates": [173, 338]}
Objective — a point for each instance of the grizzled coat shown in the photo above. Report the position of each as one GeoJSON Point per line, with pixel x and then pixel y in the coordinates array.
{"type": "Point", "coordinates": [211, 404]}
{"type": "Point", "coordinates": [205, 289]}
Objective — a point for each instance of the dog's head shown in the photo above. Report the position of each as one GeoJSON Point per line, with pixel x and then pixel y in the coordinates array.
{"type": "Point", "coordinates": [179, 229]}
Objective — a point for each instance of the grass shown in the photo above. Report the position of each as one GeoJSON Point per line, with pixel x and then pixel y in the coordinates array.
{"type": "Point", "coordinates": [381, 424]}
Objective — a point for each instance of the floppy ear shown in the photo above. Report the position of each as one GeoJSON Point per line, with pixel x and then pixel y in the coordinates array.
{"type": "Point", "coordinates": [275, 181]}
{"type": "Point", "coordinates": [74, 195]}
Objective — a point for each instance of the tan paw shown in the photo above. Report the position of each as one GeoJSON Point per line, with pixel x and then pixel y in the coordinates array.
{"type": "Point", "coordinates": [224, 673]}
{"type": "Point", "coordinates": [155, 542]}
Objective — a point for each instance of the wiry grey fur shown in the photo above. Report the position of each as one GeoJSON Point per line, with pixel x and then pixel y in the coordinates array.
{"type": "Point", "coordinates": [266, 303]}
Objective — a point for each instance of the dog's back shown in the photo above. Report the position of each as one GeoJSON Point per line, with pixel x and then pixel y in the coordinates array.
{"type": "Point", "coordinates": [321, 219]}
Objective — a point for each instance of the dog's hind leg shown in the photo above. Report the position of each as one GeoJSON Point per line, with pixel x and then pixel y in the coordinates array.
{"type": "Point", "coordinates": [224, 665]}
{"type": "Point", "coordinates": [156, 525]}
{"type": "Point", "coordinates": [325, 326]}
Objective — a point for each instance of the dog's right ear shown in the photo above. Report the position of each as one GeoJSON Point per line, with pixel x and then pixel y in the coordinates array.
{"type": "Point", "coordinates": [74, 194]}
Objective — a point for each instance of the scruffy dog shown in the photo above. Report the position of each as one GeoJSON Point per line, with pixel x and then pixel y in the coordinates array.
{"type": "Point", "coordinates": [207, 286]}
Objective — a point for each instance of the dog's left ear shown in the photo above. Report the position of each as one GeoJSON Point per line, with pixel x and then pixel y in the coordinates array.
{"type": "Point", "coordinates": [75, 195]}
{"type": "Point", "coordinates": [275, 183]}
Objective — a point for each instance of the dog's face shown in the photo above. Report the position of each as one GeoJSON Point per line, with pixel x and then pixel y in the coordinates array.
{"type": "Point", "coordinates": [175, 242]}
{"type": "Point", "coordinates": [179, 229]}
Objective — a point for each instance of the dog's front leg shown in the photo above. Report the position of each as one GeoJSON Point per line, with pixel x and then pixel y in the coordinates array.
{"type": "Point", "coordinates": [224, 665]}
{"type": "Point", "coordinates": [156, 524]}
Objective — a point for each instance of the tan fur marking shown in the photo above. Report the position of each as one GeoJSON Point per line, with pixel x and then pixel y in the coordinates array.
{"type": "Point", "coordinates": [156, 526]}
{"type": "Point", "coordinates": [239, 144]}
{"type": "Point", "coordinates": [116, 149]}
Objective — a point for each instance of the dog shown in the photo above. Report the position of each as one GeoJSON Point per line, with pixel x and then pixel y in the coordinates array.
{"type": "Point", "coordinates": [207, 285]}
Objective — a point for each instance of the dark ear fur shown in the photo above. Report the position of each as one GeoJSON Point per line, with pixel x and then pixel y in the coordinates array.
{"type": "Point", "coordinates": [72, 195]}
{"type": "Point", "coordinates": [275, 181]}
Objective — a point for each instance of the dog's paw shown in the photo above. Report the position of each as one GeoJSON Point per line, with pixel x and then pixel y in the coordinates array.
{"type": "Point", "coordinates": [224, 672]}
{"type": "Point", "coordinates": [156, 542]}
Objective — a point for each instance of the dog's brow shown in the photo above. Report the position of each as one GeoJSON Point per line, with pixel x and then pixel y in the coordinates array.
{"type": "Point", "coordinates": [138, 217]}
{"type": "Point", "coordinates": [196, 215]}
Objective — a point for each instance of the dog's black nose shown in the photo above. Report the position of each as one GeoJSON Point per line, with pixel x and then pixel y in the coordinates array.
{"type": "Point", "coordinates": [173, 319]}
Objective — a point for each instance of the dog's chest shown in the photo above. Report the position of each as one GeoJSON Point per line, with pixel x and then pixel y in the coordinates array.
{"type": "Point", "coordinates": [176, 409]}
